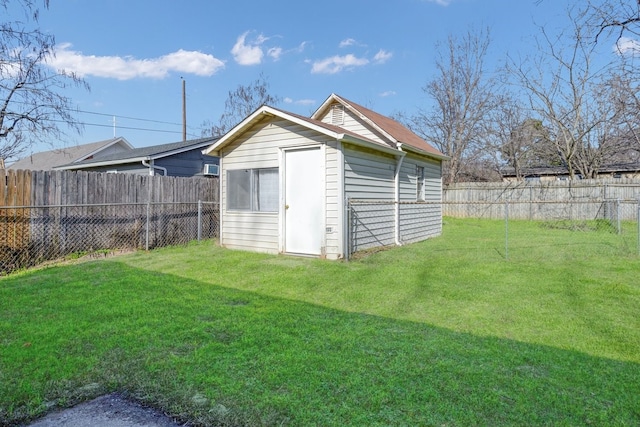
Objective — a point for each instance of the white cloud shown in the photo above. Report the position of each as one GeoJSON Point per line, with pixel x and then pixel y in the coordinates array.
{"type": "Point", "coordinates": [388, 93]}
{"type": "Point", "coordinates": [627, 46]}
{"type": "Point", "coordinates": [382, 56]}
{"type": "Point", "coordinates": [337, 63]}
{"type": "Point", "coordinates": [300, 101]}
{"type": "Point", "coordinates": [275, 53]}
{"type": "Point", "coordinates": [347, 42]}
{"type": "Point", "coordinates": [248, 53]}
{"type": "Point", "coordinates": [126, 68]}
{"type": "Point", "coordinates": [440, 2]}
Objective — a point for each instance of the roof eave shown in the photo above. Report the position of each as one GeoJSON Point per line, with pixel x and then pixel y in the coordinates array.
{"type": "Point", "coordinates": [368, 144]}
{"type": "Point", "coordinates": [407, 147]}
{"type": "Point", "coordinates": [100, 164]}
{"type": "Point", "coordinates": [325, 104]}
{"type": "Point", "coordinates": [179, 150]}
{"type": "Point", "coordinates": [254, 118]}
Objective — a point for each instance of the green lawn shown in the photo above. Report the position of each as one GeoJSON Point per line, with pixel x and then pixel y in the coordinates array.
{"type": "Point", "coordinates": [443, 332]}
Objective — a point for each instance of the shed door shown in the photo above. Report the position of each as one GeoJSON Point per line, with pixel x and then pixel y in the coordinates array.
{"type": "Point", "coordinates": [304, 204]}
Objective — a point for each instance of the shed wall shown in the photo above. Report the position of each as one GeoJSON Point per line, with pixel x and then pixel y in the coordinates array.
{"type": "Point", "coordinates": [419, 221]}
{"type": "Point", "coordinates": [368, 175]}
{"type": "Point", "coordinates": [260, 147]}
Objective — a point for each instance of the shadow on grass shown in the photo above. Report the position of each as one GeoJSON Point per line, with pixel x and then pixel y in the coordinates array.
{"type": "Point", "coordinates": [214, 355]}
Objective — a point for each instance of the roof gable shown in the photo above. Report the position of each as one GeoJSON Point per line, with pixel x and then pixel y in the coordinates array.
{"type": "Point", "coordinates": [331, 130]}
{"type": "Point", "coordinates": [394, 132]}
{"type": "Point", "coordinates": [47, 160]}
{"type": "Point", "coordinates": [144, 153]}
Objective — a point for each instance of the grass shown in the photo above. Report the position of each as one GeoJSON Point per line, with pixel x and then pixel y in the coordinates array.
{"type": "Point", "coordinates": [443, 332]}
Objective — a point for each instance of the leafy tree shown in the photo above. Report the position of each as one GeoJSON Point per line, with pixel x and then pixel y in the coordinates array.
{"type": "Point", "coordinates": [33, 107]}
{"type": "Point", "coordinates": [240, 103]}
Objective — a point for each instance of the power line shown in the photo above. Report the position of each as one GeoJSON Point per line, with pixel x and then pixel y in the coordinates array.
{"type": "Point", "coordinates": [122, 117]}
{"type": "Point", "coordinates": [129, 118]}
{"type": "Point", "coordinates": [129, 128]}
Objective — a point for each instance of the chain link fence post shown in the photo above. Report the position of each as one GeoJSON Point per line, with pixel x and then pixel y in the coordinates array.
{"type": "Point", "coordinates": [506, 229]}
{"type": "Point", "coordinates": [618, 216]}
{"type": "Point", "coordinates": [148, 224]}
{"type": "Point", "coordinates": [348, 231]}
{"type": "Point", "coordinates": [199, 220]}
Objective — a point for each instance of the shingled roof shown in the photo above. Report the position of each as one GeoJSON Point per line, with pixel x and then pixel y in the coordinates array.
{"type": "Point", "coordinates": [399, 133]}
{"type": "Point", "coordinates": [145, 153]}
{"type": "Point", "coordinates": [47, 160]}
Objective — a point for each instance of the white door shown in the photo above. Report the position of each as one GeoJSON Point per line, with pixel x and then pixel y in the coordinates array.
{"type": "Point", "coordinates": [304, 204]}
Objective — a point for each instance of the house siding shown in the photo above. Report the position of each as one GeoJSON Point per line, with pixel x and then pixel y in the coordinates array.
{"type": "Point", "coordinates": [260, 147]}
{"type": "Point", "coordinates": [334, 206]}
{"type": "Point", "coordinates": [420, 221]}
{"type": "Point", "coordinates": [354, 124]}
{"type": "Point", "coordinates": [370, 176]}
{"type": "Point", "coordinates": [185, 164]}
{"type": "Point", "coordinates": [114, 149]}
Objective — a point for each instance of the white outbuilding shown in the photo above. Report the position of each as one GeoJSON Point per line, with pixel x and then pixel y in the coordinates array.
{"type": "Point", "coordinates": [293, 184]}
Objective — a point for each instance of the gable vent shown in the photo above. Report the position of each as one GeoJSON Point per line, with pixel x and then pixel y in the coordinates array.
{"type": "Point", "coordinates": [337, 114]}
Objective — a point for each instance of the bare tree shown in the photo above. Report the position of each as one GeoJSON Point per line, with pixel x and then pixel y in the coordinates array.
{"type": "Point", "coordinates": [463, 96]}
{"type": "Point", "coordinates": [240, 103]}
{"type": "Point", "coordinates": [571, 97]}
{"type": "Point", "coordinates": [619, 18]}
{"type": "Point", "coordinates": [519, 141]}
{"type": "Point", "coordinates": [33, 107]}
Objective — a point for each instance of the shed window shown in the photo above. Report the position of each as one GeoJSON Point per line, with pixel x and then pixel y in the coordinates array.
{"type": "Point", "coordinates": [420, 183]}
{"type": "Point", "coordinates": [253, 190]}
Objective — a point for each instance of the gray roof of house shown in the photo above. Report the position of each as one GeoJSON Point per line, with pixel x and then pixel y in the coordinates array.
{"type": "Point", "coordinates": [146, 153]}
{"type": "Point", "coordinates": [47, 160]}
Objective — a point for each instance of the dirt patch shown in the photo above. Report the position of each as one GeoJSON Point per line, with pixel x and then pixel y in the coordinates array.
{"type": "Point", "coordinates": [111, 410]}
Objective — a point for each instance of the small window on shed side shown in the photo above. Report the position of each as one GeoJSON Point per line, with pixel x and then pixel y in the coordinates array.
{"type": "Point", "coordinates": [420, 183]}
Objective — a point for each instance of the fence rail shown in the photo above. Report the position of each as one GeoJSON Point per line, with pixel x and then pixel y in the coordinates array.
{"type": "Point", "coordinates": [30, 235]}
{"type": "Point", "coordinates": [532, 191]}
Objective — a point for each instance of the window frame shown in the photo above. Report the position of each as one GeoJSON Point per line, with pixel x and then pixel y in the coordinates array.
{"type": "Point", "coordinates": [252, 199]}
{"type": "Point", "coordinates": [420, 183]}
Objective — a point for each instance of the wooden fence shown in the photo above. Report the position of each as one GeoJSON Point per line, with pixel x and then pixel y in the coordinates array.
{"type": "Point", "coordinates": [584, 199]}
{"type": "Point", "coordinates": [30, 201]}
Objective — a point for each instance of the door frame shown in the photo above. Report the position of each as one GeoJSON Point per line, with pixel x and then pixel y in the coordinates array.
{"type": "Point", "coordinates": [283, 189]}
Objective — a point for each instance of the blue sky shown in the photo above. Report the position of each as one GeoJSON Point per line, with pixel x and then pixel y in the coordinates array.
{"type": "Point", "coordinates": [379, 54]}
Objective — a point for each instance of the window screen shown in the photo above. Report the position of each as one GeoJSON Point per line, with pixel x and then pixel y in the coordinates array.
{"type": "Point", "coordinates": [253, 190]}
{"type": "Point", "coordinates": [420, 183]}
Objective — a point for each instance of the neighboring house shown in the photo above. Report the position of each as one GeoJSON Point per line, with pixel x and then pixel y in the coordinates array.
{"type": "Point", "coordinates": [183, 158]}
{"type": "Point", "coordinates": [559, 173]}
{"type": "Point", "coordinates": [285, 178]}
{"type": "Point", "coordinates": [47, 160]}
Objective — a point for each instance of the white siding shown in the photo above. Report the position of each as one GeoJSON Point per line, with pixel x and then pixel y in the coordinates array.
{"type": "Point", "coordinates": [354, 124]}
{"type": "Point", "coordinates": [260, 147]}
{"type": "Point", "coordinates": [334, 206]}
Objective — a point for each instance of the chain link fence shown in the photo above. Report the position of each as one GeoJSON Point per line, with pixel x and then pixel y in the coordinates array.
{"type": "Point", "coordinates": [32, 235]}
{"type": "Point", "coordinates": [508, 229]}
{"type": "Point", "coordinates": [379, 223]}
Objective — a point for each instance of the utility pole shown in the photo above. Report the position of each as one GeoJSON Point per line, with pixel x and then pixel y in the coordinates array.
{"type": "Point", "coordinates": [184, 109]}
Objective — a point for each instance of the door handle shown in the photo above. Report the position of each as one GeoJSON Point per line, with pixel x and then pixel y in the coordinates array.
{"type": "Point", "coordinates": [286, 206]}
